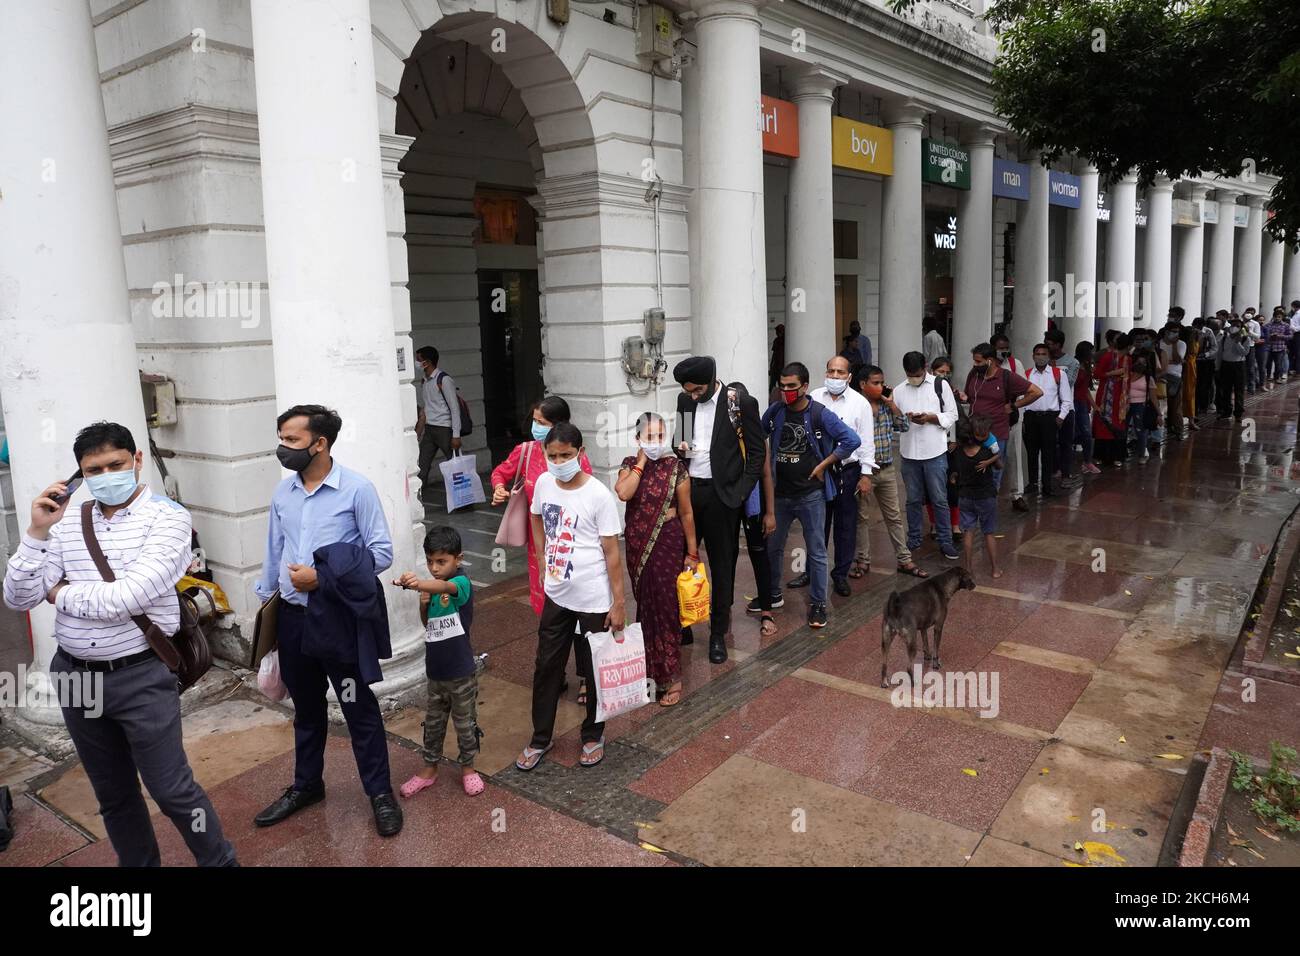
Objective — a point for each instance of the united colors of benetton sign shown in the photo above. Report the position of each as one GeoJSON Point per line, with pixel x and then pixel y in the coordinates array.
{"type": "Point", "coordinates": [945, 164]}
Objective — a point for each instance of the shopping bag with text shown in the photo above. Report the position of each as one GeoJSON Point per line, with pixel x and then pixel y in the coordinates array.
{"type": "Point", "coordinates": [464, 487]}
{"type": "Point", "coordinates": [693, 596]}
{"type": "Point", "coordinates": [620, 672]}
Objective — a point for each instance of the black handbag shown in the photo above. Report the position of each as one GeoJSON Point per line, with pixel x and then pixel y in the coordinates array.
{"type": "Point", "coordinates": [186, 653]}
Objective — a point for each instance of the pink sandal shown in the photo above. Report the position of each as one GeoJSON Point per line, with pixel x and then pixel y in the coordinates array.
{"type": "Point", "coordinates": [416, 784]}
{"type": "Point", "coordinates": [473, 784]}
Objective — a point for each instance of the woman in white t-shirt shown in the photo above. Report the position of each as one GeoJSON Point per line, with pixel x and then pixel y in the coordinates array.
{"type": "Point", "coordinates": [576, 519]}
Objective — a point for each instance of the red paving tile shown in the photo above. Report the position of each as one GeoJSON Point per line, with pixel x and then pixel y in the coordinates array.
{"type": "Point", "coordinates": [682, 770]}
{"type": "Point", "coordinates": [1032, 695]}
{"type": "Point", "coordinates": [443, 826]}
{"type": "Point", "coordinates": [746, 723]}
{"type": "Point", "coordinates": [1249, 726]}
{"type": "Point", "coordinates": [1090, 636]}
{"type": "Point", "coordinates": [833, 736]}
{"type": "Point", "coordinates": [923, 771]}
{"type": "Point", "coordinates": [40, 836]}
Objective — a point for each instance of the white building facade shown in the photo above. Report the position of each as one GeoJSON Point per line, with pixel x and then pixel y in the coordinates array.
{"type": "Point", "coordinates": [266, 202]}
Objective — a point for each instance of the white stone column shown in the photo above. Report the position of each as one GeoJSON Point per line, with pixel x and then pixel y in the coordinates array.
{"type": "Point", "coordinates": [67, 349]}
{"type": "Point", "coordinates": [332, 324]}
{"type": "Point", "coordinates": [902, 303]}
{"type": "Point", "coordinates": [1191, 265]}
{"type": "Point", "coordinates": [1249, 252]}
{"type": "Point", "coordinates": [972, 319]}
{"type": "Point", "coordinates": [1121, 252]}
{"type": "Point", "coordinates": [1081, 264]}
{"type": "Point", "coordinates": [1270, 281]}
{"type": "Point", "coordinates": [1290, 276]}
{"type": "Point", "coordinates": [810, 334]}
{"type": "Point", "coordinates": [1029, 316]}
{"type": "Point", "coordinates": [729, 318]}
{"type": "Point", "coordinates": [1218, 283]}
{"type": "Point", "coordinates": [1159, 246]}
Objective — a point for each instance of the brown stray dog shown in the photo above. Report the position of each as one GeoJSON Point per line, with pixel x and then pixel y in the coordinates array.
{"type": "Point", "coordinates": [917, 610]}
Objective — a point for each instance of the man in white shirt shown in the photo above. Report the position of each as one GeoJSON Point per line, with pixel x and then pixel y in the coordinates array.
{"type": "Point", "coordinates": [853, 410]}
{"type": "Point", "coordinates": [438, 425]}
{"type": "Point", "coordinates": [120, 702]}
{"type": "Point", "coordinates": [930, 408]}
{"type": "Point", "coordinates": [1045, 416]}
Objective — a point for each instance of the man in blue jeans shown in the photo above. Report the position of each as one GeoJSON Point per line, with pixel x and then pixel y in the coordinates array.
{"type": "Point", "coordinates": [931, 409]}
{"type": "Point", "coordinates": [808, 441]}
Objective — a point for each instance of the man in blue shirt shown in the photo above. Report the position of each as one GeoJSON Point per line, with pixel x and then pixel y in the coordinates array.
{"type": "Point", "coordinates": [321, 504]}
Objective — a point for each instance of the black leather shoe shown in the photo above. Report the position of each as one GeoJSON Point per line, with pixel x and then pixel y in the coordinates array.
{"type": "Point", "coordinates": [842, 588]}
{"type": "Point", "coordinates": [717, 649]}
{"type": "Point", "coordinates": [1019, 504]}
{"type": "Point", "coordinates": [800, 582]}
{"type": "Point", "coordinates": [688, 637]}
{"type": "Point", "coordinates": [289, 803]}
{"type": "Point", "coordinates": [388, 815]}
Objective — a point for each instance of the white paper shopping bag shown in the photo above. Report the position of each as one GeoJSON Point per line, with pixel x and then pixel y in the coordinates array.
{"type": "Point", "coordinates": [464, 487]}
{"type": "Point", "coordinates": [620, 672]}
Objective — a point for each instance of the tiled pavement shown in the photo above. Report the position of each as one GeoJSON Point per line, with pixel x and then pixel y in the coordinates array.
{"type": "Point", "coordinates": [1110, 679]}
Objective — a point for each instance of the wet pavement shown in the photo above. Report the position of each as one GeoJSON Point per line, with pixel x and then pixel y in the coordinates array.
{"type": "Point", "coordinates": [1113, 637]}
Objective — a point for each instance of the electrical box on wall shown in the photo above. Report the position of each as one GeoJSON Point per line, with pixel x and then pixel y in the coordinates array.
{"type": "Point", "coordinates": [654, 32]}
{"type": "Point", "coordinates": [159, 399]}
{"type": "Point", "coordinates": [558, 10]}
{"type": "Point", "coordinates": [655, 326]}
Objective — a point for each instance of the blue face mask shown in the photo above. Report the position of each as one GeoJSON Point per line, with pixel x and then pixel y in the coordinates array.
{"type": "Point", "coordinates": [836, 386]}
{"type": "Point", "coordinates": [112, 487]}
{"type": "Point", "coordinates": [564, 470]}
{"type": "Point", "coordinates": [540, 431]}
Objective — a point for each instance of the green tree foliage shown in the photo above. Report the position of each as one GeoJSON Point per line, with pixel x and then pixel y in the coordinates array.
{"type": "Point", "coordinates": [1173, 87]}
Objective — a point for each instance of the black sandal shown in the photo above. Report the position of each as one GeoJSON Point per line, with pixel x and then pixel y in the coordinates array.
{"type": "Point", "coordinates": [913, 571]}
{"type": "Point", "coordinates": [582, 692]}
{"type": "Point", "coordinates": [767, 618]}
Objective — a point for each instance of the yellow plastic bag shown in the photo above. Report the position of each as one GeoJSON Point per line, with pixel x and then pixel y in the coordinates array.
{"type": "Point", "coordinates": [693, 596]}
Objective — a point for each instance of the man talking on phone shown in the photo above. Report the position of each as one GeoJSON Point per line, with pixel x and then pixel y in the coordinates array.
{"type": "Point", "coordinates": [133, 724]}
{"type": "Point", "coordinates": [930, 408]}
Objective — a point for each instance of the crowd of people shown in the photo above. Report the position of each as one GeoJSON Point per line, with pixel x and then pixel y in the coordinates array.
{"type": "Point", "coordinates": [816, 454]}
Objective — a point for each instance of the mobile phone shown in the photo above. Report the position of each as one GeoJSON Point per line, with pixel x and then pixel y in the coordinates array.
{"type": "Point", "coordinates": [886, 391]}
{"type": "Point", "coordinates": [73, 484]}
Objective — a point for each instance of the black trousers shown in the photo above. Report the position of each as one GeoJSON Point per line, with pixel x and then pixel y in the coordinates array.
{"type": "Point", "coordinates": [1232, 389]}
{"type": "Point", "coordinates": [308, 678]}
{"type": "Point", "coordinates": [1204, 385]}
{"type": "Point", "coordinates": [756, 545]}
{"type": "Point", "coordinates": [842, 516]}
{"type": "Point", "coordinates": [1065, 446]}
{"type": "Point", "coordinates": [555, 633]}
{"type": "Point", "coordinates": [719, 528]}
{"type": "Point", "coordinates": [1040, 446]}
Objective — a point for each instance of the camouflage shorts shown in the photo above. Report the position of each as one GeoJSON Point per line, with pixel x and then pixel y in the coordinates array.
{"type": "Point", "coordinates": [457, 699]}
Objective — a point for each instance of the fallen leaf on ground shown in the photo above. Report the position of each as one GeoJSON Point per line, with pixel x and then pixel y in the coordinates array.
{"type": "Point", "coordinates": [969, 772]}
{"type": "Point", "coordinates": [1044, 772]}
{"type": "Point", "coordinates": [1294, 657]}
{"type": "Point", "coordinates": [1171, 756]}
{"type": "Point", "coordinates": [1122, 740]}
{"type": "Point", "coordinates": [1128, 592]}
{"type": "Point", "coordinates": [1272, 836]}
{"type": "Point", "coordinates": [1078, 845]}
{"type": "Point", "coordinates": [1232, 832]}
{"type": "Point", "coordinates": [651, 847]}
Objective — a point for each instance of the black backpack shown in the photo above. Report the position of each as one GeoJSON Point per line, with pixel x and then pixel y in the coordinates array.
{"type": "Point", "coordinates": [466, 421]}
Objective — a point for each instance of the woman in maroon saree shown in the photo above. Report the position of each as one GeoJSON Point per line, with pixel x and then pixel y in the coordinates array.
{"type": "Point", "coordinates": [659, 529]}
{"type": "Point", "coordinates": [1109, 430]}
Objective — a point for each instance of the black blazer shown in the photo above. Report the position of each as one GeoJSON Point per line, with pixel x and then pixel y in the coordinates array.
{"type": "Point", "coordinates": [734, 476]}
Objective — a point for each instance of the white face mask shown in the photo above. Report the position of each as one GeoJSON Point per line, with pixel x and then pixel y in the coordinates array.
{"type": "Point", "coordinates": [564, 470]}
{"type": "Point", "coordinates": [836, 386]}
{"type": "Point", "coordinates": [655, 450]}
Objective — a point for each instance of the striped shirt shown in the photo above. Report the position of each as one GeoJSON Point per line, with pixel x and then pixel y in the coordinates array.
{"type": "Point", "coordinates": [146, 543]}
{"type": "Point", "coordinates": [883, 433]}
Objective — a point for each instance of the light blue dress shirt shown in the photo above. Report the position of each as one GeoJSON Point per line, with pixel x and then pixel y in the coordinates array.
{"type": "Point", "coordinates": [344, 508]}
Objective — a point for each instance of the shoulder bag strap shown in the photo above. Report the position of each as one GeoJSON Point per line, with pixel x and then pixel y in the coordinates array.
{"type": "Point", "coordinates": [522, 474]}
{"type": "Point", "coordinates": [157, 640]}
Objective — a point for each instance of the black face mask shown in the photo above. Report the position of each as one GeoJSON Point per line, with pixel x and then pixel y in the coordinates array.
{"type": "Point", "coordinates": [295, 459]}
{"type": "Point", "coordinates": [713, 387]}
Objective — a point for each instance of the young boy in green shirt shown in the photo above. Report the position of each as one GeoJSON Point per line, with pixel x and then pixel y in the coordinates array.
{"type": "Point", "coordinates": [447, 610]}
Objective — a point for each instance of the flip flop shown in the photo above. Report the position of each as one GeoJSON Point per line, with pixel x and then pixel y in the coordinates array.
{"type": "Point", "coordinates": [913, 571]}
{"type": "Point", "coordinates": [531, 757]}
{"type": "Point", "coordinates": [663, 701]}
{"type": "Point", "coordinates": [860, 569]}
{"type": "Point", "coordinates": [472, 783]}
{"type": "Point", "coordinates": [765, 620]}
{"type": "Point", "coordinates": [415, 785]}
{"type": "Point", "coordinates": [590, 750]}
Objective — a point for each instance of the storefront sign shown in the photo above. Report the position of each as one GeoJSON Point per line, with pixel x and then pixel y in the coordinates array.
{"type": "Point", "coordinates": [859, 146]}
{"type": "Point", "coordinates": [1103, 206]}
{"type": "Point", "coordinates": [779, 121]}
{"type": "Point", "coordinates": [1186, 212]}
{"type": "Point", "coordinates": [1010, 179]}
{"type": "Point", "coordinates": [1063, 189]}
{"type": "Point", "coordinates": [1241, 216]}
{"type": "Point", "coordinates": [1210, 212]}
{"type": "Point", "coordinates": [1140, 213]}
{"type": "Point", "coordinates": [946, 238]}
{"type": "Point", "coordinates": [945, 164]}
